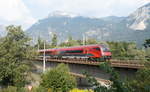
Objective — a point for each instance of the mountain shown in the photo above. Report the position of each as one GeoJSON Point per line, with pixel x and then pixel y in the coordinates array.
{"type": "Point", "coordinates": [66, 25]}
{"type": "Point", "coordinates": [135, 27]}
{"type": "Point", "coordinates": [139, 20]}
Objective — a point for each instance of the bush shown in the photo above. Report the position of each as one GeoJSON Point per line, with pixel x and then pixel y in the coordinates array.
{"type": "Point", "coordinates": [58, 79]}
{"type": "Point", "coordinates": [141, 82]}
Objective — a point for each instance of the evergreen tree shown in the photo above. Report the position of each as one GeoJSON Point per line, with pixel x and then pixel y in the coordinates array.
{"type": "Point", "coordinates": [40, 43]}
{"type": "Point", "coordinates": [147, 43]}
{"type": "Point", "coordinates": [14, 49]}
{"type": "Point", "coordinates": [54, 41]}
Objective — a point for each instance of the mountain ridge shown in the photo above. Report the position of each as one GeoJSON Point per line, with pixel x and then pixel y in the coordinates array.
{"type": "Point", "coordinates": [110, 28]}
{"type": "Point", "coordinates": [134, 27]}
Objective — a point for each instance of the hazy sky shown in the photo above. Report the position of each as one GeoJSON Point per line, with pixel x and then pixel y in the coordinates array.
{"type": "Point", "coordinates": [27, 12]}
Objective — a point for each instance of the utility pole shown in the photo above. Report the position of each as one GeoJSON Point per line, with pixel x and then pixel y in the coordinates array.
{"type": "Point", "coordinates": [38, 47]}
{"type": "Point", "coordinates": [84, 39]}
{"type": "Point", "coordinates": [44, 58]}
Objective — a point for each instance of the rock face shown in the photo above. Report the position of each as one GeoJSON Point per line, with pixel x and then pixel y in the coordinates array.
{"type": "Point", "coordinates": [139, 20]}
{"type": "Point", "coordinates": [135, 27]}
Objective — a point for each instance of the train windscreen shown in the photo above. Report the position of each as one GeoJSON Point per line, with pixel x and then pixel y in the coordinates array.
{"type": "Point", "coordinates": [105, 48]}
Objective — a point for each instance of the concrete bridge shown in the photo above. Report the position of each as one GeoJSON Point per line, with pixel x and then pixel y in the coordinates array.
{"type": "Point", "coordinates": [78, 67]}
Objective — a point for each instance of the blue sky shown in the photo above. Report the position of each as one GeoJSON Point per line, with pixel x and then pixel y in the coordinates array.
{"type": "Point", "coordinates": [27, 12]}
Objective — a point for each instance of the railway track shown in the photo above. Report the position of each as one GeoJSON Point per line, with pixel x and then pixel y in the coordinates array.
{"type": "Point", "coordinates": [114, 63]}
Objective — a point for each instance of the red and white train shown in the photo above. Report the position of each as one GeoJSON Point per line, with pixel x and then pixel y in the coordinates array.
{"type": "Point", "coordinates": [92, 52]}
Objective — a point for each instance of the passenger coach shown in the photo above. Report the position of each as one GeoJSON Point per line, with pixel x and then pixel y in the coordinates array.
{"type": "Point", "coordinates": [92, 52]}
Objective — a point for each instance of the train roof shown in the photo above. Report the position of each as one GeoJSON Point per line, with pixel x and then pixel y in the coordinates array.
{"type": "Point", "coordinates": [74, 47]}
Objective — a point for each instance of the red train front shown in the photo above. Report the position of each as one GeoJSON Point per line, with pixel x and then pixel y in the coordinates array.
{"type": "Point", "coordinates": [92, 52]}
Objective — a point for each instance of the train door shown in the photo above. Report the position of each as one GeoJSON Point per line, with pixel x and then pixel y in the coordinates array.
{"type": "Point", "coordinates": [86, 51]}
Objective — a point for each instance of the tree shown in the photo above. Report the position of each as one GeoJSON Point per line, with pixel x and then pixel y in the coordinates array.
{"type": "Point", "coordinates": [126, 50]}
{"type": "Point", "coordinates": [54, 41]}
{"type": "Point", "coordinates": [40, 43]}
{"type": "Point", "coordinates": [141, 82]}
{"type": "Point", "coordinates": [14, 49]}
{"type": "Point", "coordinates": [134, 53]}
{"type": "Point", "coordinates": [147, 54]}
{"type": "Point", "coordinates": [117, 84]}
{"type": "Point", "coordinates": [91, 41]}
{"type": "Point", "coordinates": [147, 43]}
{"type": "Point", "coordinates": [147, 46]}
{"type": "Point", "coordinates": [70, 42]}
{"type": "Point", "coordinates": [58, 79]}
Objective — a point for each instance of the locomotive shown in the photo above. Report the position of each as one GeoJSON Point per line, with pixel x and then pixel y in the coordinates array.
{"type": "Point", "coordinates": [91, 52]}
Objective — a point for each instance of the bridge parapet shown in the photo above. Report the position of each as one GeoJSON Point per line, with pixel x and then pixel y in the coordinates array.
{"type": "Point", "coordinates": [114, 63]}
{"type": "Point", "coordinates": [127, 64]}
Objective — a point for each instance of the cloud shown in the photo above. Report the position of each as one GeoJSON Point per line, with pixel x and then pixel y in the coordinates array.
{"type": "Point", "coordinates": [92, 8]}
{"type": "Point", "coordinates": [22, 11]}
{"type": "Point", "coordinates": [15, 12]}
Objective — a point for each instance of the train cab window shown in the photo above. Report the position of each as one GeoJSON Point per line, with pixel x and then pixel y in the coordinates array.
{"type": "Point", "coordinates": [105, 49]}
{"type": "Point", "coordinates": [97, 49]}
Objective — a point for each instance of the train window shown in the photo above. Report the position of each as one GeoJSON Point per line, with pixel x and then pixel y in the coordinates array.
{"type": "Point", "coordinates": [74, 51]}
{"type": "Point", "coordinates": [97, 49]}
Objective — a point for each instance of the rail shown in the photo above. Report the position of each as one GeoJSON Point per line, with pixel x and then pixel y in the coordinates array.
{"type": "Point", "coordinates": [74, 61]}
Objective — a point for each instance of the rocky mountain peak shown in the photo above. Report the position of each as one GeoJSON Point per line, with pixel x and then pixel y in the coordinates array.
{"type": "Point", "coordinates": [138, 19]}
{"type": "Point", "coordinates": [110, 28]}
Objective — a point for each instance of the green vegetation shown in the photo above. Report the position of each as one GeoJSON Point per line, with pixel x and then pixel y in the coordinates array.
{"type": "Point", "coordinates": [54, 41]}
{"type": "Point", "coordinates": [14, 49]}
{"type": "Point", "coordinates": [147, 47]}
{"type": "Point", "coordinates": [55, 80]}
{"type": "Point", "coordinates": [71, 42]}
{"type": "Point", "coordinates": [140, 83]}
{"type": "Point", "coordinates": [58, 79]}
{"type": "Point", "coordinates": [40, 44]}
{"type": "Point", "coordinates": [124, 50]}
{"type": "Point", "coordinates": [147, 43]}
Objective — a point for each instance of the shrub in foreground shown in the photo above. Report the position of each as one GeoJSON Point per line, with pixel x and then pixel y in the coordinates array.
{"type": "Point", "coordinates": [58, 79]}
